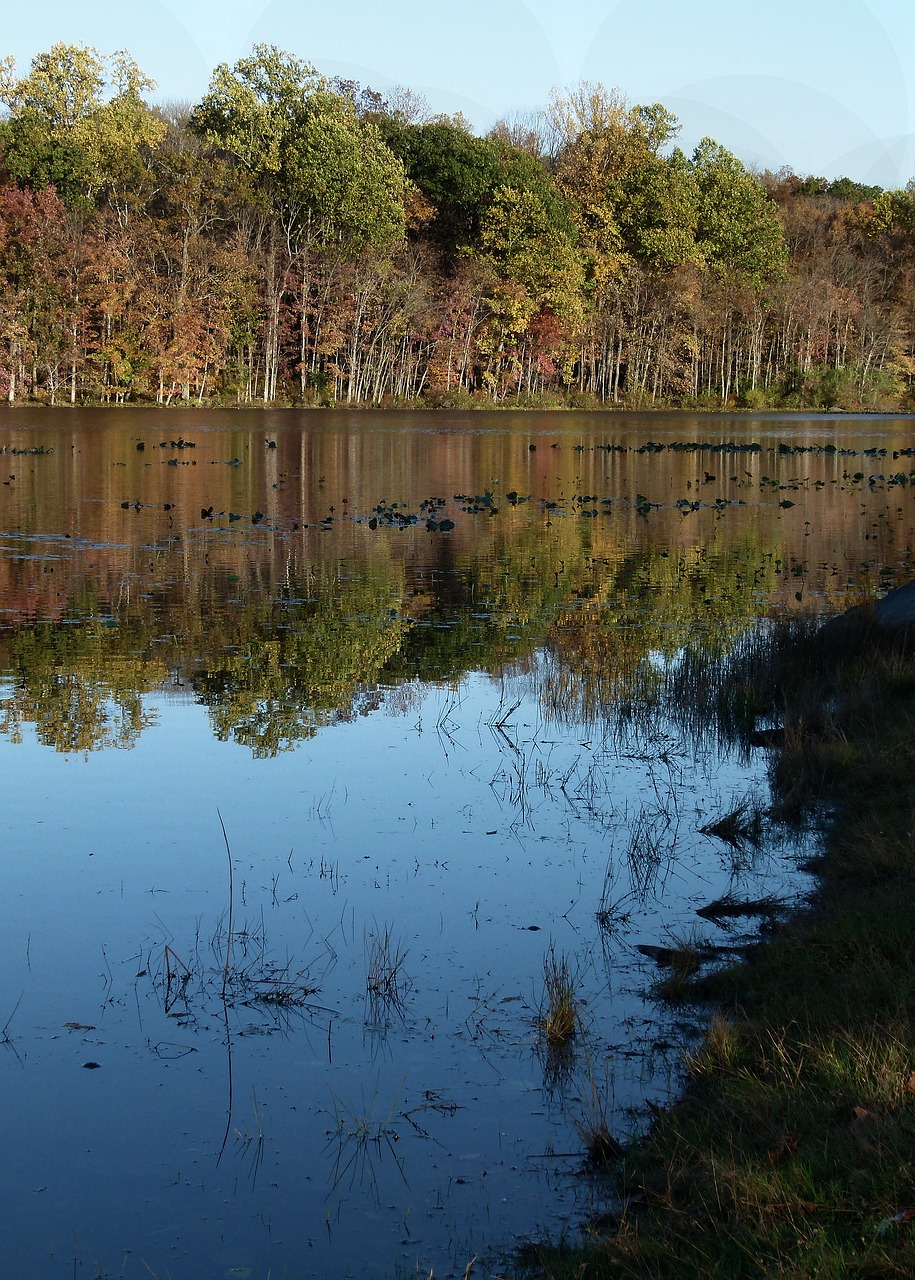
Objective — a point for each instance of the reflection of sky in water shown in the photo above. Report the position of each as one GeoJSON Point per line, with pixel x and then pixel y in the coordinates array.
{"type": "Point", "coordinates": [477, 842]}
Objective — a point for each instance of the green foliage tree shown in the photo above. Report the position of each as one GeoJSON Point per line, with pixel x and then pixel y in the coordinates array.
{"type": "Point", "coordinates": [658, 211]}
{"type": "Point", "coordinates": [460, 176]}
{"type": "Point", "coordinates": [525, 244]}
{"type": "Point", "coordinates": [78, 121]}
{"type": "Point", "coordinates": [609, 167]}
{"type": "Point", "coordinates": [63, 87]}
{"type": "Point", "coordinates": [738, 226]}
{"type": "Point", "coordinates": [313, 161]}
{"type": "Point", "coordinates": [321, 175]}
{"type": "Point", "coordinates": [891, 216]}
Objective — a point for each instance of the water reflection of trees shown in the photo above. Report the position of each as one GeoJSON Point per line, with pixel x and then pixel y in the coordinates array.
{"type": "Point", "coordinates": [78, 686]}
{"type": "Point", "coordinates": [273, 669]}
{"type": "Point", "coordinates": [613, 649]}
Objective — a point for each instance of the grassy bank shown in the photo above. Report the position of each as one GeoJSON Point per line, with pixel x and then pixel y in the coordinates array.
{"type": "Point", "coordinates": [792, 1152]}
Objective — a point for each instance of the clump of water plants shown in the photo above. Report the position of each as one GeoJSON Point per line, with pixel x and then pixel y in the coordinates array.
{"type": "Point", "coordinates": [359, 1141]}
{"type": "Point", "coordinates": [728, 907]}
{"type": "Point", "coordinates": [741, 825]}
{"type": "Point", "coordinates": [601, 1147]}
{"type": "Point", "coordinates": [243, 974]}
{"type": "Point", "coordinates": [681, 959]}
{"type": "Point", "coordinates": [386, 980]}
{"type": "Point", "coordinates": [558, 1017]}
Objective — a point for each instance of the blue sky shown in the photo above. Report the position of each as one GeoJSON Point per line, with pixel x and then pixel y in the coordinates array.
{"type": "Point", "coordinates": [825, 86]}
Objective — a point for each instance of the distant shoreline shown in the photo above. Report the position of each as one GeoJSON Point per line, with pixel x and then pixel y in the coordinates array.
{"type": "Point", "coordinates": [481, 406]}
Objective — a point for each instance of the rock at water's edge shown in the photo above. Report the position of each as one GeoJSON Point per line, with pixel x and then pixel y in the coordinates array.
{"type": "Point", "coordinates": [892, 619]}
{"type": "Point", "coordinates": [896, 611]}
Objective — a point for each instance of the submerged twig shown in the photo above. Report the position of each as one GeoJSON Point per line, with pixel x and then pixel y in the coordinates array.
{"type": "Point", "coordinates": [225, 972]}
{"type": "Point", "coordinates": [5, 1037]}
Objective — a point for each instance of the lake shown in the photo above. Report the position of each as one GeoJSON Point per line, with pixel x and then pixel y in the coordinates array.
{"type": "Point", "coordinates": [330, 743]}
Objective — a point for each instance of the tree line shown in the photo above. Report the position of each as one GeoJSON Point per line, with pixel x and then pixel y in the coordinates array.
{"type": "Point", "coordinates": [293, 239]}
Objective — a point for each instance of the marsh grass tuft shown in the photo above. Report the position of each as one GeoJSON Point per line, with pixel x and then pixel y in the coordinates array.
{"type": "Point", "coordinates": [558, 1018]}
{"type": "Point", "coordinates": [742, 825]}
{"type": "Point", "coordinates": [601, 1147]}
{"type": "Point", "coordinates": [358, 1140]}
{"type": "Point", "coordinates": [728, 907]}
{"type": "Point", "coordinates": [649, 850]}
{"type": "Point", "coordinates": [681, 961]}
{"type": "Point", "coordinates": [190, 989]}
{"type": "Point", "coordinates": [386, 980]}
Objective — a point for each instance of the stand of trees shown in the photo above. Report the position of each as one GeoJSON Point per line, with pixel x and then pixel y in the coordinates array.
{"type": "Point", "coordinates": [290, 239]}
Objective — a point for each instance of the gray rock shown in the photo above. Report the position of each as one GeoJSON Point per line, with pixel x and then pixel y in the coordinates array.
{"type": "Point", "coordinates": [896, 611]}
{"type": "Point", "coordinates": [848, 631]}
{"type": "Point", "coordinates": [890, 620]}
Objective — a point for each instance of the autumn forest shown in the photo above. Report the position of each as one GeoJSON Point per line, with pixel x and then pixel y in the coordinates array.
{"type": "Point", "coordinates": [291, 239]}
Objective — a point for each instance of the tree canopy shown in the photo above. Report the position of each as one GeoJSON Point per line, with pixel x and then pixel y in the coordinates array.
{"type": "Point", "coordinates": [77, 121]}
{"type": "Point", "coordinates": [310, 156]}
{"type": "Point", "coordinates": [296, 238]}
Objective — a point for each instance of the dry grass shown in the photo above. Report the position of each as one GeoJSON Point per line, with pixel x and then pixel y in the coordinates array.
{"type": "Point", "coordinates": [558, 1017]}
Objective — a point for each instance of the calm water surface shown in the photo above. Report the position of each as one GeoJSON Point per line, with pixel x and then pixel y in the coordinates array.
{"type": "Point", "coordinates": [419, 666]}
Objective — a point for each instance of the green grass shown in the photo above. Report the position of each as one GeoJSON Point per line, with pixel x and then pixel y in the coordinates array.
{"type": "Point", "coordinates": [792, 1150]}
